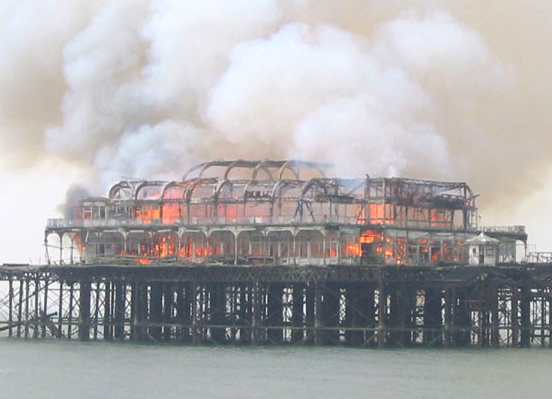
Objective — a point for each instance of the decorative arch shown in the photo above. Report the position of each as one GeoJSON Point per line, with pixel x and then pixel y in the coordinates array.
{"type": "Point", "coordinates": [288, 165]}
{"type": "Point", "coordinates": [195, 184]}
{"type": "Point", "coordinates": [122, 185]}
{"type": "Point", "coordinates": [264, 166]}
{"type": "Point", "coordinates": [169, 186]}
{"type": "Point", "coordinates": [149, 184]}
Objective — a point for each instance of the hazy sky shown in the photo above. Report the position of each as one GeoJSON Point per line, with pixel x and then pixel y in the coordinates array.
{"type": "Point", "coordinates": [91, 91]}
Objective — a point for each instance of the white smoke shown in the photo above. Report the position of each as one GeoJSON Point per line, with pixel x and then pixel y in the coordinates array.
{"type": "Point", "coordinates": [189, 42]}
{"type": "Point", "coordinates": [145, 88]}
{"type": "Point", "coordinates": [102, 68]}
{"type": "Point", "coordinates": [163, 149]}
{"type": "Point", "coordinates": [135, 69]}
{"type": "Point", "coordinates": [333, 96]}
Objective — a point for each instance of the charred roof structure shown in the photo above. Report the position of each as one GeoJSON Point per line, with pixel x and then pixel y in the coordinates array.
{"type": "Point", "coordinates": [277, 213]}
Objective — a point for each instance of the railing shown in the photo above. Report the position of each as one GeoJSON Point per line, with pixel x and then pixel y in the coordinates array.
{"type": "Point", "coordinates": [538, 257]}
{"type": "Point", "coordinates": [66, 223]}
{"type": "Point", "coordinates": [504, 229]}
{"type": "Point", "coordinates": [249, 220]}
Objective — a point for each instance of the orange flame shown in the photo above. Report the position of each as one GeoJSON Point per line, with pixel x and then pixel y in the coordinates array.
{"type": "Point", "coordinates": [147, 214]}
{"type": "Point", "coordinates": [171, 213]}
{"type": "Point", "coordinates": [353, 250]}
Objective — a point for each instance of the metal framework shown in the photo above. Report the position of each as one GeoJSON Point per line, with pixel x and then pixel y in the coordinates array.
{"type": "Point", "coordinates": [335, 305]}
{"type": "Point", "coordinates": [275, 213]}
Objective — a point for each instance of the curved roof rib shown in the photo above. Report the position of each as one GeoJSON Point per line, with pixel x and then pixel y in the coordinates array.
{"type": "Point", "coordinates": [294, 166]}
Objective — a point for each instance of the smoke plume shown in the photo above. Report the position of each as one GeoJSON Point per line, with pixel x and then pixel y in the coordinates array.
{"type": "Point", "coordinates": [75, 193]}
{"type": "Point", "coordinates": [146, 88]}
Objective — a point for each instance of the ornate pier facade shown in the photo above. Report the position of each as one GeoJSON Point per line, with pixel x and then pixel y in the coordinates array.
{"type": "Point", "coordinates": [277, 213]}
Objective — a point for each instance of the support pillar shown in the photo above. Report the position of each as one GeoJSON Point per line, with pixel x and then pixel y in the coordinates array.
{"type": "Point", "coordinates": [432, 317]}
{"type": "Point", "coordinates": [156, 308]}
{"type": "Point", "coordinates": [331, 313]}
{"type": "Point", "coordinates": [36, 316]}
{"type": "Point", "coordinates": [401, 315]}
{"type": "Point", "coordinates": [168, 306]}
{"type": "Point", "coordinates": [549, 290]}
{"type": "Point", "coordinates": [309, 312]}
{"type": "Point", "coordinates": [60, 308]}
{"type": "Point", "coordinates": [382, 313]}
{"type": "Point", "coordinates": [120, 296]}
{"type": "Point", "coordinates": [70, 310]}
{"type": "Point", "coordinates": [182, 314]}
{"type": "Point", "coordinates": [27, 308]}
{"type": "Point", "coordinates": [462, 319]}
{"type": "Point", "coordinates": [217, 312]}
{"type": "Point", "coordinates": [275, 313]}
{"type": "Point", "coordinates": [495, 325]}
{"type": "Point", "coordinates": [450, 326]}
{"type": "Point", "coordinates": [297, 313]}
{"type": "Point", "coordinates": [351, 322]}
{"type": "Point", "coordinates": [140, 305]}
{"type": "Point", "coordinates": [107, 321]}
{"type": "Point", "coordinates": [44, 315]}
{"type": "Point", "coordinates": [194, 332]}
{"type": "Point", "coordinates": [10, 314]}
{"type": "Point", "coordinates": [84, 310]}
{"type": "Point", "coordinates": [256, 313]}
{"type": "Point", "coordinates": [318, 315]}
{"type": "Point", "coordinates": [526, 328]}
{"type": "Point", "coordinates": [394, 318]}
{"type": "Point", "coordinates": [245, 307]}
{"type": "Point", "coordinates": [514, 316]}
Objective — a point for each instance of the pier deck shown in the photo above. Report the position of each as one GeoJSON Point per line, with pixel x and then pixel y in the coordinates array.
{"type": "Point", "coordinates": [373, 306]}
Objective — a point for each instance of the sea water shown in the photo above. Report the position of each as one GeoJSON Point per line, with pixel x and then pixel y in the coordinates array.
{"type": "Point", "coordinates": [53, 369]}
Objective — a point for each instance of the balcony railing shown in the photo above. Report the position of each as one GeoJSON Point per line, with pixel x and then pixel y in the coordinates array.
{"type": "Point", "coordinates": [67, 223]}
{"type": "Point", "coordinates": [504, 229]}
{"type": "Point", "coordinates": [251, 220]}
{"type": "Point", "coordinates": [539, 257]}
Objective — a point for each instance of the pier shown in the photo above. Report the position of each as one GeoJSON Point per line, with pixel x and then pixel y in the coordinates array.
{"type": "Point", "coordinates": [365, 306]}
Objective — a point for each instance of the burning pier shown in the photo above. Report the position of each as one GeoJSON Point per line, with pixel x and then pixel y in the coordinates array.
{"type": "Point", "coordinates": [277, 252]}
{"type": "Point", "coordinates": [277, 213]}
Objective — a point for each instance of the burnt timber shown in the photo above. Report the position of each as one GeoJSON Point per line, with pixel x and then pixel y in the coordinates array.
{"type": "Point", "coordinates": [370, 306]}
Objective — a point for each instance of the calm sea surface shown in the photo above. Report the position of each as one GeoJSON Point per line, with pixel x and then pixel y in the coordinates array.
{"type": "Point", "coordinates": [100, 370]}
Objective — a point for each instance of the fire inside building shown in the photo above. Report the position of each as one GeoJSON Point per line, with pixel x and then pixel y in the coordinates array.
{"type": "Point", "coordinates": [280, 213]}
